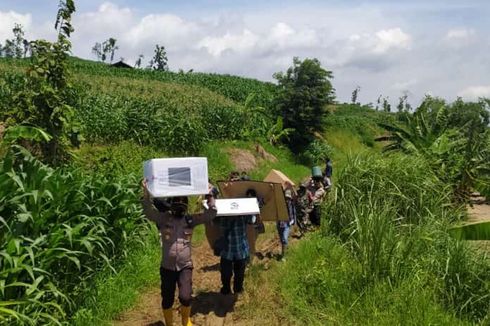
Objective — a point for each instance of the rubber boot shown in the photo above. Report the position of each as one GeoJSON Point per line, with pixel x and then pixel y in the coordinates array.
{"type": "Point", "coordinates": [186, 315]}
{"type": "Point", "coordinates": [283, 252]}
{"type": "Point", "coordinates": [168, 315]}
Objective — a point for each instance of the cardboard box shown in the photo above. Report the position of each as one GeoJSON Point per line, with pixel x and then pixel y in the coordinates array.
{"type": "Point", "coordinates": [271, 195]}
{"type": "Point", "coordinates": [172, 177]}
{"type": "Point", "coordinates": [276, 176]}
{"type": "Point", "coordinates": [236, 206]}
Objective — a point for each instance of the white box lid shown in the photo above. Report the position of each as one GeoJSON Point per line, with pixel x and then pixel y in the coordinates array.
{"type": "Point", "coordinates": [237, 206]}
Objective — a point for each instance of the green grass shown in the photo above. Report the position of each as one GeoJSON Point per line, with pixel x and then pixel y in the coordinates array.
{"type": "Point", "coordinates": [123, 158]}
{"type": "Point", "coordinates": [385, 256]}
{"type": "Point", "coordinates": [391, 262]}
{"type": "Point", "coordinates": [114, 293]}
{"type": "Point", "coordinates": [319, 286]}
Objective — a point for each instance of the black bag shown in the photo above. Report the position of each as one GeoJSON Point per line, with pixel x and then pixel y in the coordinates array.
{"type": "Point", "coordinates": [222, 242]}
{"type": "Point", "coordinates": [219, 245]}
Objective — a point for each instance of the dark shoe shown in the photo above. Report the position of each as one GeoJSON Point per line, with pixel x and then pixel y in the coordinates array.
{"type": "Point", "coordinates": [238, 291]}
{"type": "Point", "coordinates": [225, 291]}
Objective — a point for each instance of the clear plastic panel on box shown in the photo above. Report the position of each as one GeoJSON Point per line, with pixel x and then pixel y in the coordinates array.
{"type": "Point", "coordinates": [173, 177]}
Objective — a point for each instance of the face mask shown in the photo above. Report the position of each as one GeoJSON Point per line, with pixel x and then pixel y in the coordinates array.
{"type": "Point", "coordinates": [178, 209]}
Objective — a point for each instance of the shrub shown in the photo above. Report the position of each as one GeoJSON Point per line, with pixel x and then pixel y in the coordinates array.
{"type": "Point", "coordinates": [317, 152]}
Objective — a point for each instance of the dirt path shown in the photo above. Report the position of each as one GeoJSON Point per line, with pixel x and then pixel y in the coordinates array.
{"type": "Point", "coordinates": [209, 307]}
{"type": "Point", "coordinates": [480, 211]}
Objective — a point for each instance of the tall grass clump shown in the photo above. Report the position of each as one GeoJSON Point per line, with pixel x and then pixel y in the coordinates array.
{"type": "Point", "coordinates": [386, 239]}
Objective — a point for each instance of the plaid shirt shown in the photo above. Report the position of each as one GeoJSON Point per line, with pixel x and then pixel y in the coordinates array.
{"type": "Point", "coordinates": [236, 230]}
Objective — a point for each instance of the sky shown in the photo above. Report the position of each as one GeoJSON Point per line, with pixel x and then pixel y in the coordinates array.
{"type": "Point", "coordinates": [389, 48]}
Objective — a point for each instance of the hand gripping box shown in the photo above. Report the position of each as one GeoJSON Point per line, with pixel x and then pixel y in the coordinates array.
{"type": "Point", "coordinates": [172, 177]}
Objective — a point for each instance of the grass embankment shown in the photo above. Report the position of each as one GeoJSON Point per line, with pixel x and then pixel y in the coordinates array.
{"type": "Point", "coordinates": [383, 256]}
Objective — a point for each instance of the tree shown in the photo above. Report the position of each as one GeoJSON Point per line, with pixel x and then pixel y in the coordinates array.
{"type": "Point", "coordinates": [386, 105]}
{"type": "Point", "coordinates": [304, 92]}
{"type": "Point", "coordinates": [137, 64]}
{"type": "Point", "coordinates": [159, 61]}
{"type": "Point", "coordinates": [355, 94]}
{"type": "Point", "coordinates": [27, 47]}
{"type": "Point", "coordinates": [18, 46]}
{"type": "Point", "coordinates": [150, 64]}
{"type": "Point", "coordinates": [110, 47]}
{"type": "Point", "coordinates": [105, 49]}
{"type": "Point", "coordinates": [378, 102]}
{"type": "Point", "coordinates": [44, 102]}
{"type": "Point", "coordinates": [97, 50]}
{"type": "Point", "coordinates": [454, 139]}
{"type": "Point", "coordinates": [403, 104]}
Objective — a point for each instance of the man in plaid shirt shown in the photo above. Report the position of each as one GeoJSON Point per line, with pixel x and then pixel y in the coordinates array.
{"type": "Point", "coordinates": [235, 255]}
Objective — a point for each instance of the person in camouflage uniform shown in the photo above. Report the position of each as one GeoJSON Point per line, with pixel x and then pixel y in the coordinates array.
{"type": "Point", "coordinates": [303, 208]}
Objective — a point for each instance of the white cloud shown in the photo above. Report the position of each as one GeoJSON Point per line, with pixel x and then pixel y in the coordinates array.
{"type": "Point", "coordinates": [475, 92]}
{"type": "Point", "coordinates": [284, 36]}
{"type": "Point", "coordinates": [245, 41]}
{"type": "Point", "coordinates": [9, 19]}
{"type": "Point", "coordinates": [108, 18]}
{"type": "Point", "coordinates": [404, 85]}
{"type": "Point", "coordinates": [459, 38]}
{"type": "Point", "coordinates": [171, 30]}
{"type": "Point", "coordinates": [393, 38]}
{"type": "Point", "coordinates": [460, 34]}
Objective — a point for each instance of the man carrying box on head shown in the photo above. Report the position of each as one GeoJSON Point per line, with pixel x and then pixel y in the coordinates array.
{"type": "Point", "coordinates": [176, 227]}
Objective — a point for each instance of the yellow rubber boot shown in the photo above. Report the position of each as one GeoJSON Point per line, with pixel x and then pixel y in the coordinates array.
{"type": "Point", "coordinates": [168, 315]}
{"type": "Point", "coordinates": [186, 316]}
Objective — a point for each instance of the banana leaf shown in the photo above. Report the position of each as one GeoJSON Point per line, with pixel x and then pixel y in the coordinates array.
{"type": "Point", "coordinates": [473, 231]}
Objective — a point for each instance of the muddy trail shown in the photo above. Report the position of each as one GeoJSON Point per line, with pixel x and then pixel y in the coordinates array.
{"type": "Point", "coordinates": [209, 307]}
{"type": "Point", "coordinates": [479, 210]}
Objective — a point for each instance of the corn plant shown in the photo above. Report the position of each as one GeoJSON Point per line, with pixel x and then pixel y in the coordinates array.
{"type": "Point", "coordinates": [58, 228]}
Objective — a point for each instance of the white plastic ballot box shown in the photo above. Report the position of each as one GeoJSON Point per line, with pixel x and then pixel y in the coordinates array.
{"type": "Point", "coordinates": [172, 177]}
{"type": "Point", "coordinates": [236, 206]}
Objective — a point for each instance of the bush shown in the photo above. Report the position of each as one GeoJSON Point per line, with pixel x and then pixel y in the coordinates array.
{"type": "Point", "coordinates": [392, 260]}
{"type": "Point", "coordinates": [317, 152]}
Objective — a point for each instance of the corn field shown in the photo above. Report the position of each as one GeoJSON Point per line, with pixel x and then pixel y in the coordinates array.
{"type": "Point", "coordinates": [176, 118]}
{"type": "Point", "coordinates": [58, 228]}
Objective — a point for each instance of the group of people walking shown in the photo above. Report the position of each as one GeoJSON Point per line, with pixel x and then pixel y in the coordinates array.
{"type": "Point", "coordinates": [304, 205]}
{"type": "Point", "coordinates": [234, 249]}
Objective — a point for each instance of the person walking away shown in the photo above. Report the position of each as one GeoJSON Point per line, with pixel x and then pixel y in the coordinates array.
{"type": "Point", "coordinates": [235, 254]}
{"type": "Point", "coordinates": [283, 227]}
{"type": "Point", "coordinates": [316, 198]}
{"type": "Point", "coordinates": [327, 179]}
{"type": "Point", "coordinates": [302, 206]}
{"type": "Point", "coordinates": [176, 227]}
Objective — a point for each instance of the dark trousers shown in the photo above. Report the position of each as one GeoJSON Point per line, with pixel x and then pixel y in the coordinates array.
{"type": "Point", "coordinates": [169, 279]}
{"type": "Point", "coordinates": [227, 269]}
{"type": "Point", "coordinates": [315, 216]}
